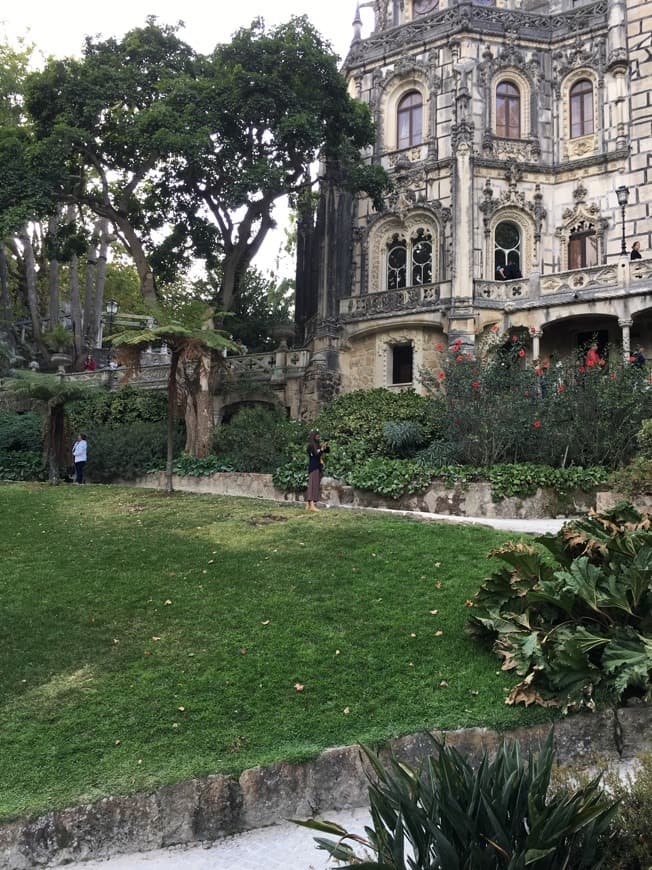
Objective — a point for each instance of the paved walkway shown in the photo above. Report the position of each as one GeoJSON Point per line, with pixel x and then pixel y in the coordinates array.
{"type": "Point", "coordinates": [532, 527]}
{"type": "Point", "coordinates": [286, 846]}
{"type": "Point", "coordinates": [279, 847]}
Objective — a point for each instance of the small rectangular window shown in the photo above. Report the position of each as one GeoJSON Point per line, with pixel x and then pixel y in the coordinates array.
{"type": "Point", "coordinates": [402, 364]}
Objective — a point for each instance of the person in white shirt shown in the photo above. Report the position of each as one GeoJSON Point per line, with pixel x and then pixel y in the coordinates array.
{"type": "Point", "coordinates": [79, 452]}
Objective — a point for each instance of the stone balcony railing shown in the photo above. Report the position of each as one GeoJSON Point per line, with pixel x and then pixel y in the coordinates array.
{"type": "Point", "coordinates": [622, 275]}
{"type": "Point", "coordinates": [502, 291]}
{"type": "Point", "coordinates": [422, 297]}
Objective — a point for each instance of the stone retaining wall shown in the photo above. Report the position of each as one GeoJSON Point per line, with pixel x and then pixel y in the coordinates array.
{"type": "Point", "coordinates": [207, 809]}
{"type": "Point", "coordinates": [472, 500]}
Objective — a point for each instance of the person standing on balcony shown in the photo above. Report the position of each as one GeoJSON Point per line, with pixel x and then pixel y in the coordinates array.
{"type": "Point", "coordinates": [512, 270]}
{"type": "Point", "coordinates": [316, 452]}
{"type": "Point", "coordinates": [636, 252]}
{"type": "Point", "coordinates": [79, 453]}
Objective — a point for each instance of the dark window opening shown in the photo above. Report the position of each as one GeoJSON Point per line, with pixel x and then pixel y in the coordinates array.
{"type": "Point", "coordinates": [402, 355]}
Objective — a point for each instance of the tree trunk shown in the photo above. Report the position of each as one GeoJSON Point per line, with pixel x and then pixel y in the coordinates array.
{"type": "Point", "coordinates": [90, 338]}
{"type": "Point", "coordinates": [135, 247]}
{"type": "Point", "coordinates": [32, 291]}
{"type": "Point", "coordinates": [199, 387]}
{"type": "Point", "coordinates": [54, 447]}
{"type": "Point", "coordinates": [75, 307]}
{"type": "Point", "coordinates": [53, 277]}
{"type": "Point", "coordinates": [5, 302]}
{"type": "Point", "coordinates": [100, 279]}
{"type": "Point", "coordinates": [172, 417]}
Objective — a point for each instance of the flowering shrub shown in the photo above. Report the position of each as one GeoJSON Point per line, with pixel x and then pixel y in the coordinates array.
{"type": "Point", "coordinates": [501, 410]}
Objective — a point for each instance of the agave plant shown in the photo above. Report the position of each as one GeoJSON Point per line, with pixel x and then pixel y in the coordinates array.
{"type": "Point", "coordinates": [574, 622]}
{"type": "Point", "coordinates": [450, 816]}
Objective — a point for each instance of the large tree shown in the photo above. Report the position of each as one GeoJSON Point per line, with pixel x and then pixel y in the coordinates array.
{"type": "Point", "coordinates": [187, 155]}
{"type": "Point", "coordinates": [110, 112]}
{"type": "Point", "coordinates": [265, 106]}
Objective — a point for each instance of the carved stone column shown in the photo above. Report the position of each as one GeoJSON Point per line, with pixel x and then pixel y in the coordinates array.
{"type": "Point", "coordinates": [536, 345]}
{"type": "Point", "coordinates": [625, 325]}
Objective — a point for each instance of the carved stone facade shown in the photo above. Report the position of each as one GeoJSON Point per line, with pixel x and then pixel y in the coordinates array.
{"type": "Point", "coordinates": [506, 129]}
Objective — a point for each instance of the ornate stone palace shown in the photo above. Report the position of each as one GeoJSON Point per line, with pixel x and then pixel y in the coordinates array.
{"type": "Point", "coordinates": [518, 137]}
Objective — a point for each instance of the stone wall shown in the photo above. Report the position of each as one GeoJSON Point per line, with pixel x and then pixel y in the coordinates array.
{"type": "Point", "coordinates": [203, 810]}
{"type": "Point", "coordinates": [473, 500]}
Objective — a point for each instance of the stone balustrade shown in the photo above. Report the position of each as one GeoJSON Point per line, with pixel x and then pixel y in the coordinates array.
{"type": "Point", "coordinates": [421, 297]}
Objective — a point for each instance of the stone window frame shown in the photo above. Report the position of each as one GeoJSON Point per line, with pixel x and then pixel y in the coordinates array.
{"type": "Point", "coordinates": [513, 77]}
{"type": "Point", "coordinates": [580, 146]}
{"type": "Point", "coordinates": [381, 235]}
{"type": "Point", "coordinates": [385, 356]}
{"type": "Point", "coordinates": [581, 221]}
{"type": "Point", "coordinates": [392, 348]}
{"type": "Point", "coordinates": [398, 88]}
{"type": "Point", "coordinates": [525, 223]}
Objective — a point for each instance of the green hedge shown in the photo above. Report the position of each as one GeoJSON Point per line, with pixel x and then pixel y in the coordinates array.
{"type": "Point", "coordinates": [21, 465]}
{"type": "Point", "coordinates": [20, 431]}
{"type": "Point", "coordinates": [127, 452]}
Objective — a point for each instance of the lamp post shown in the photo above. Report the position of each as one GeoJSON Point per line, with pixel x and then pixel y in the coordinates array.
{"type": "Point", "coordinates": [622, 193]}
{"type": "Point", "coordinates": [111, 310]}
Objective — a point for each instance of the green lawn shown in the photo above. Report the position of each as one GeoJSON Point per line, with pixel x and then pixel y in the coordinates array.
{"type": "Point", "coordinates": [147, 639]}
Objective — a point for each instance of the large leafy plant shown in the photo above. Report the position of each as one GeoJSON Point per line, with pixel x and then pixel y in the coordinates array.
{"type": "Point", "coordinates": [574, 618]}
{"type": "Point", "coordinates": [450, 816]}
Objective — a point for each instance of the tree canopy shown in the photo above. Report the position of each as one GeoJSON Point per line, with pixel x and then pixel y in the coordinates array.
{"type": "Point", "coordinates": [187, 154]}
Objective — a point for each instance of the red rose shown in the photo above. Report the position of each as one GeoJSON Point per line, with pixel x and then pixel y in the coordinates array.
{"type": "Point", "coordinates": [537, 424]}
{"type": "Point", "coordinates": [521, 352]}
{"type": "Point", "coordinates": [440, 347]}
{"type": "Point", "coordinates": [441, 376]}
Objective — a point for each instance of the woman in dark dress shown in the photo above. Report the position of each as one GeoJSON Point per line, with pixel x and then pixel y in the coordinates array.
{"type": "Point", "coordinates": [316, 451]}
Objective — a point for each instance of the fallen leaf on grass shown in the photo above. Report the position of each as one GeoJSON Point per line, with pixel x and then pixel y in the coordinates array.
{"type": "Point", "coordinates": [243, 650]}
{"type": "Point", "coordinates": [434, 612]}
{"type": "Point", "coordinates": [117, 742]}
{"type": "Point", "coordinates": [438, 633]}
{"type": "Point", "coordinates": [181, 709]}
{"type": "Point", "coordinates": [437, 564]}
{"type": "Point", "coordinates": [475, 692]}
{"type": "Point", "coordinates": [438, 585]}
{"type": "Point", "coordinates": [412, 634]}
{"type": "Point", "coordinates": [167, 601]}
{"type": "Point", "coordinates": [469, 603]}
{"type": "Point", "coordinates": [266, 622]}
{"type": "Point", "coordinates": [155, 637]}
{"type": "Point", "coordinates": [443, 684]}
{"type": "Point", "coordinates": [346, 711]}
{"type": "Point", "coordinates": [299, 687]}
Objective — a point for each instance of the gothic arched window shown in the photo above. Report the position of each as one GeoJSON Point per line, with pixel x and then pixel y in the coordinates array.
{"type": "Point", "coordinates": [409, 117]}
{"type": "Point", "coordinates": [396, 263]}
{"type": "Point", "coordinates": [421, 249]}
{"type": "Point", "coordinates": [508, 111]}
{"type": "Point", "coordinates": [507, 250]}
{"type": "Point", "coordinates": [581, 108]}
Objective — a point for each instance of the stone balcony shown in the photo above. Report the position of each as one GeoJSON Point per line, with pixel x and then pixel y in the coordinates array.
{"type": "Point", "coordinates": [611, 278]}
{"type": "Point", "coordinates": [424, 297]}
